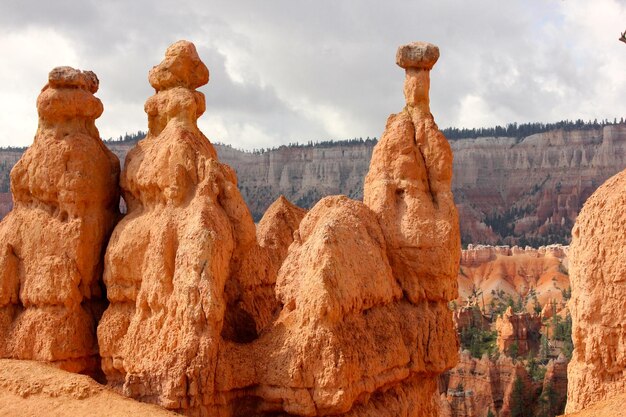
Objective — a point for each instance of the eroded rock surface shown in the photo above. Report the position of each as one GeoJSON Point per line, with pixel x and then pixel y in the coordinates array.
{"type": "Point", "coordinates": [31, 389]}
{"type": "Point", "coordinates": [65, 204]}
{"type": "Point", "coordinates": [521, 330]}
{"type": "Point", "coordinates": [598, 278]}
{"type": "Point", "coordinates": [338, 311]}
{"type": "Point", "coordinates": [476, 386]}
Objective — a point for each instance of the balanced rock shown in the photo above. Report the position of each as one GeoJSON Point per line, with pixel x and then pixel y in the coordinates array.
{"type": "Point", "coordinates": [597, 370]}
{"type": "Point", "coordinates": [408, 186]}
{"type": "Point", "coordinates": [364, 328]}
{"type": "Point", "coordinates": [51, 244]}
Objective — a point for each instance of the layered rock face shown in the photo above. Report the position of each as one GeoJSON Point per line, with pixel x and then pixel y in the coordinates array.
{"type": "Point", "coordinates": [538, 275]}
{"type": "Point", "coordinates": [476, 386]}
{"type": "Point", "coordinates": [598, 274]}
{"type": "Point", "coordinates": [560, 168]}
{"type": "Point", "coordinates": [520, 329]}
{"type": "Point", "coordinates": [51, 243]}
{"type": "Point", "coordinates": [210, 316]}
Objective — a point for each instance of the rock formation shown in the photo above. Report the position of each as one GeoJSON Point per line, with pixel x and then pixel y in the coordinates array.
{"type": "Point", "coordinates": [169, 259]}
{"type": "Point", "coordinates": [476, 386]}
{"type": "Point", "coordinates": [613, 407]}
{"type": "Point", "coordinates": [598, 274]}
{"type": "Point", "coordinates": [520, 329]}
{"type": "Point", "coordinates": [210, 316]}
{"type": "Point", "coordinates": [31, 389]}
{"type": "Point", "coordinates": [51, 243]}
{"type": "Point", "coordinates": [537, 275]}
{"type": "Point", "coordinates": [408, 186]}
{"type": "Point", "coordinates": [554, 388]}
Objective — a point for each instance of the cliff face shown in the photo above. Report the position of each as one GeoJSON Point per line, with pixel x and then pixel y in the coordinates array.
{"type": "Point", "coordinates": [521, 329]}
{"type": "Point", "coordinates": [526, 191]}
{"type": "Point", "coordinates": [490, 275]}
{"type": "Point", "coordinates": [598, 274]}
{"type": "Point", "coordinates": [504, 188]}
{"type": "Point", "coordinates": [476, 386]}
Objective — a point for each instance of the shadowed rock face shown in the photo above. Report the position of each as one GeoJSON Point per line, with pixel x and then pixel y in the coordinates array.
{"type": "Point", "coordinates": [339, 311]}
{"type": "Point", "coordinates": [598, 274]}
{"type": "Point", "coordinates": [51, 244]}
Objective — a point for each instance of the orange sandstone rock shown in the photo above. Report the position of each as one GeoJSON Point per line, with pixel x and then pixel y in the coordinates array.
{"type": "Point", "coordinates": [521, 329]}
{"type": "Point", "coordinates": [31, 389]}
{"type": "Point", "coordinates": [514, 272]}
{"type": "Point", "coordinates": [408, 187]}
{"type": "Point", "coordinates": [339, 311]}
{"type": "Point", "coordinates": [51, 244]}
{"type": "Point", "coordinates": [597, 370]}
{"type": "Point", "coordinates": [168, 260]}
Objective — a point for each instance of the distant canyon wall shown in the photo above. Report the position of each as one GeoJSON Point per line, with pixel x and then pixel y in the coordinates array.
{"type": "Point", "coordinates": [508, 190]}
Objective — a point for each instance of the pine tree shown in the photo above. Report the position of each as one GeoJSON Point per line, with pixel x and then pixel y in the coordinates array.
{"type": "Point", "coordinates": [518, 399]}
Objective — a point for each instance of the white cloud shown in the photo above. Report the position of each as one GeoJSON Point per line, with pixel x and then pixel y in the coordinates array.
{"type": "Point", "coordinates": [296, 71]}
{"type": "Point", "coordinates": [23, 73]}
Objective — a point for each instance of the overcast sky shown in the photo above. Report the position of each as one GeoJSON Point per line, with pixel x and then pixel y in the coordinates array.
{"type": "Point", "coordinates": [286, 71]}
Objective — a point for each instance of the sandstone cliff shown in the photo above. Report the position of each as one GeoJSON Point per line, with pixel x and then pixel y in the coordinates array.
{"type": "Point", "coordinates": [521, 330]}
{"type": "Point", "coordinates": [508, 190]}
{"type": "Point", "coordinates": [598, 275]}
{"type": "Point", "coordinates": [51, 244]}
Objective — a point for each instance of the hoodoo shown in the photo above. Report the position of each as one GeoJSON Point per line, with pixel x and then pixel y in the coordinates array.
{"type": "Point", "coordinates": [183, 270]}
{"type": "Point", "coordinates": [51, 244]}
{"type": "Point", "coordinates": [598, 278]}
{"type": "Point", "coordinates": [212, 316]}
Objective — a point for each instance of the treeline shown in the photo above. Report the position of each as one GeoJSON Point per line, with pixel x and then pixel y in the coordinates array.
{"type": "Point", "coordinates": [128, 137]}
{"type": "Point", "coordinates": [513, 130]}
{"type": "Point", "coordinates": [321, 143]}
{"type": "Point", "coordinates": [510, 130]}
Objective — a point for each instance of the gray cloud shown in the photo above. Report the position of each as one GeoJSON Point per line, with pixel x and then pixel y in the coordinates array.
{"type": "Point", "coordinates": [283, 71]}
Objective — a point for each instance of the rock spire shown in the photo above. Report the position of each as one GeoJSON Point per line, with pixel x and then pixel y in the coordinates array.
{"type": "Point", "coordinates": [51, 244]}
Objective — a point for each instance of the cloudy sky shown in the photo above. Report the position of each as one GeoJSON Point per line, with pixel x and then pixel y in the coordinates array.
{"type": "Point", "coordinates": [287, 71]}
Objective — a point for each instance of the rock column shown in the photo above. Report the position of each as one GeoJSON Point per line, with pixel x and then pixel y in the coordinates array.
{"type": "Point", "coordinates": [51, 244]}
{"type": "Point", "coordinates": [597, 370]}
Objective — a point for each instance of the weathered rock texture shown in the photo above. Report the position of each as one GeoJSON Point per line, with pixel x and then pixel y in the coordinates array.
{"type": "Point", "coordinates": [476, 386]}
{"type": "Point", "coordinates": [32, 389]}
{"type": "Point", "coordinates": [520, 329]}
{"type": "Point", "coordinates": [210, 316]}
{"type": "Point", "coordinates": [51, 244]}
{"type": "Point", "coordinates": [168, 261]}
{"type": "Point", "coordinates": [598, 275]}
{"type": "Point", "coordinates": [613, 407]}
